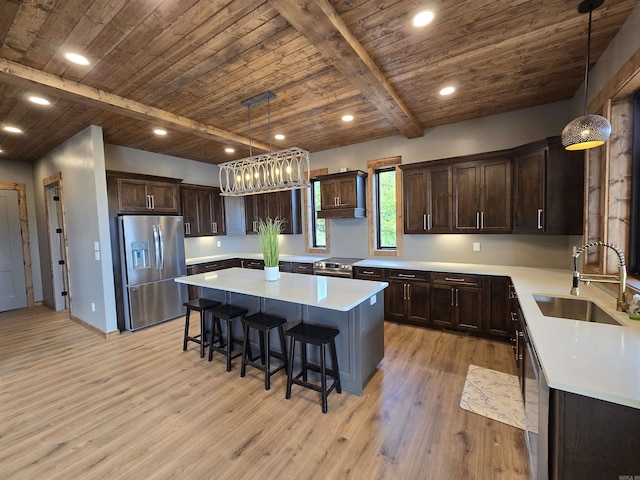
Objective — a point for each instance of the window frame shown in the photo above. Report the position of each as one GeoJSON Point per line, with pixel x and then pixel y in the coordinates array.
{"type": "Point", "coordinates": [378, 210]}
{"type": "Point", "coordinates": [308, 219]}
{"type": "Point", "coordinates": [372, 209]}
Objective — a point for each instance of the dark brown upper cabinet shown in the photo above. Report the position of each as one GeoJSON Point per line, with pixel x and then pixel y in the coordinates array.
{"type": "Point", "coordinates": [548, 189]}
{"type": "Point", "coordinates": [427, 199]}
{"type": "Point", "coordinates": [285, 205]}
{"type": "Point", "coordinates": [482, 196]}
{"type": "Point", "coordinates": [343, 195]}
{"type": "Point", "coordinates": [135, 193]}
{"type": "Point", "coordinates": [203, 210]}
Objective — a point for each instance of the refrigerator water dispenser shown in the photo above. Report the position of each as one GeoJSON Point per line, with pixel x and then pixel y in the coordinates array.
{"type": "Point", "coordinates": [140, 254]}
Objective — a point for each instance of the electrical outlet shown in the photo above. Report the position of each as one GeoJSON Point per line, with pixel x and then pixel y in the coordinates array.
{"type": "Point", "coordinates": [93, 307]}
{"type": "Point", "coordinates": [218, 243]}
{"type": "Point", "coordinates": [96, 246]}
{"type": "Point", "coordinates": [476, 246]}
{"type": "Point", "coordinates": [97, 255]}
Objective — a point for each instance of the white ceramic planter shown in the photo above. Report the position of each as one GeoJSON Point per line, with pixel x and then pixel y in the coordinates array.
{"type": "Point", "coordinates": [271, 274]}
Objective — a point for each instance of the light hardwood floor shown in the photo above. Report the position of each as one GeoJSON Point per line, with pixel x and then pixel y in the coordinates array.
{"type": "Point", "coordinates": [76, 406]}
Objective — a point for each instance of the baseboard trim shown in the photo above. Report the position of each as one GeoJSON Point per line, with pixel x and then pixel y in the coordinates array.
{"type": "Point", "coordinates": [95, 330]}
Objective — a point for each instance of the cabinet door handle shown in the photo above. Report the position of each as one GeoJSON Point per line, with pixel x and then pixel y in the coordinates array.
{"type": "Point", "coordinates": [406, 275]}
{"type": "Point", "coordinates": [457, 297]}
{"type": "Point", "coordinates": [452, 296]}
{"type": "Point", "coordinates": [214, 227]}
{"type": "Point", "coordinates": [408, 291]}
{"type": "Point", "coordinates": [187, 228]}
{"type": "Point", "coordinates": [153, 202]}
{"type": "Point", "coordinates": [477, 220]}
{"type": "Point", "coordinates": [517, 346]}
{"type": "Point", "coordinates": [481, 220]}
{"type": "Point", "coordinates": [450, 279]}
{"type": "Point", "coordinates": [539, 219]}
{"type": "Point", "coordinates": [429, 222]}
{"type": "Point", "coordinates": [424, 221]}
{"type": "Point", "coordinates": [255, 227]}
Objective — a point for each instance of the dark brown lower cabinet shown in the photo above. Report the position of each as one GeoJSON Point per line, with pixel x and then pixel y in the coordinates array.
{"type": "Point", "coordinates": [591, 438]}
{"type": "Point", "coordinates": [497, 306]}
{"type": "Point", "coordinates": [456, 301]}
{"type": "Point", "coordinates": [407, 297]}
{"type": "Point", "coordinates": [194, 292]}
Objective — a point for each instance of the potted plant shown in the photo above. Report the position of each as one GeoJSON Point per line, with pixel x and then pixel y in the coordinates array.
{"type": "Point", "coordinates": [268, 231]}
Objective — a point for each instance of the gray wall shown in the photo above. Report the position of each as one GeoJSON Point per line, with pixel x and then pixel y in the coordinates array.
{"type": "Point", "coordinates": [20, 172]}
{"type": "Point", "coordinates": [80, 160]}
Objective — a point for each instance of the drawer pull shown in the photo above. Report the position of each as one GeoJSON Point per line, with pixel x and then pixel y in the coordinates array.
{"type": "Point", "coordinates": [302, 267]}
{"type": "Point", "coordinates": [405, 275]}
{"type": "Point", "coordinates": [449, 279]}
{"type": "Point", "coordinates": [368, 272]}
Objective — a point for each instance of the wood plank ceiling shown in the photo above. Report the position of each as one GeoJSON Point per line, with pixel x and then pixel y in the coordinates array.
{"type": "Point", "coordinates": [186, 66]}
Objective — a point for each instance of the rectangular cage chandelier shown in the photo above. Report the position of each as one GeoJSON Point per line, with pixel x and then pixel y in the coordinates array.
{"type": "Point", "coordinates": [286, 169]}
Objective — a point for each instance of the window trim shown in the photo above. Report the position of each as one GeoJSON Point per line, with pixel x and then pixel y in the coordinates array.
{"type": "Point", "coordinates": [307, 208]}
{"type": "Point", "coordinates": [372, 213]}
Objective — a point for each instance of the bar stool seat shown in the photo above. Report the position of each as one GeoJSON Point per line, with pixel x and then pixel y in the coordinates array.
{"type": "Point", "coordinates": [263, 323]}
{"type": "Point", "coordinates": [201, 305]}
{"type": "Point", "coordinates": [228, 313]}
{"type": "Point", "coordinates": [320, 336]}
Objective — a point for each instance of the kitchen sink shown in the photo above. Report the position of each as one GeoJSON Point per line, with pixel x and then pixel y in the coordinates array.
{"type": "Point", "coordinates": [573, 308]}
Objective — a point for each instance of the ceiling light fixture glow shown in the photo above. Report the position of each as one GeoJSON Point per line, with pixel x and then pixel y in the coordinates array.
{"type": "Point", "coordinates": [422, 18]}
{"type": "Point", "coordinates": [229, 150]}
{"type": "Point", "coordinates": [347, 118]}
{"type": "Point", "coordinates": [76, 58]}
{"type": "Point", "coordinates": [447, 91]}
{"type": "Point", "coordinates": [278, 136]}
{"type": "Point", "coordinates": [12, 129]}
{"type": "Point", "coordinates": [160, 131]}
{"type": "Point", "coordinates": [39, 100]}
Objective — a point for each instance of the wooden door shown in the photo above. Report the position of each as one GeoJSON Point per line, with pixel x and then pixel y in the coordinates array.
{"type": "Point", "coordinates": [439, 199]}
{"type": "Point", "coordinates": [528, 192]}
{"type": "Point", "coordinates": [347, 192]}
{"type": "Point", "coordinates": [496, 196]}
{"type": "Point", "coordinates": [497, 308]}
{"type": "Point", "coordinates": [415, 185]}
{"type": "Point", "coordinates": [189, 203]}
{"type": "Point", "coordinates": [13, 286]}
{"type": "Point", "coordinates": [132, 195]}
{"type": "Point", "coordinates": [395, 303]}
{"type": "Point", "coordinates": [164, 197]}
{"type": "Point", "coordinates": [418, 306]}
{"type": "Point", "coordinates": [468, 311]}
{"type": "Point", "coordinates": [466, 197]}
{"type": "Point", "coordinates": [442, 304]}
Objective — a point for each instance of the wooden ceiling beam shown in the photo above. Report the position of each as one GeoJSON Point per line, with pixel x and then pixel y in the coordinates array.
{"type": "Point", "coordinates": [27, 77]}
{"type": "Point", "coordinates": [321, 25]}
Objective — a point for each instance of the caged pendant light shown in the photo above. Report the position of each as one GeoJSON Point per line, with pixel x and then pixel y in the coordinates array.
{"type": "Point", "coordinates": [588, 131]}
{"type": "Point", "coordinates": [286, 169]}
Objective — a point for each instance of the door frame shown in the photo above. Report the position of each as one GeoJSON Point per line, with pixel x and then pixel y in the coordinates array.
{"type": "Point", "coordinates": [24, 230]}
{"type": "Point", "coordinates": [47, 183]}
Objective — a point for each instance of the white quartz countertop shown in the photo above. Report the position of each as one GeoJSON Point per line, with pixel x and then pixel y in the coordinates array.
{"type": "Point", "coordinates": [317, 291]}
{"type": "Point", "coordinates": [254, 256]}
{"type": "Point", "coordinates": [596, 360]}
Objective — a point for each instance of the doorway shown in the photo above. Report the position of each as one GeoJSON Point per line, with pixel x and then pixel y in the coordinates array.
{"type": "Point", "coordinates": [13, 284]}
{"type": "Point", "coordinates": [56, 231]}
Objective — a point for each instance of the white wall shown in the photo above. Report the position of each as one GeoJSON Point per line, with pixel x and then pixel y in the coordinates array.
{"type": "Point", "coordinates": [80, 160]}
{"type": "Point", "coordinates": [20, 172]}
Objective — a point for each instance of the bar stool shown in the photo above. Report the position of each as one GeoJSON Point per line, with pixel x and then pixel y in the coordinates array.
{"type": "Point", "coordinates": [320, 336]}
{"type": "Point", "coordinates": [201, 305]}
{"type": "Point", "coordinates": [227, 313]}
{"type": "Point", "coordinates": [263, 323]}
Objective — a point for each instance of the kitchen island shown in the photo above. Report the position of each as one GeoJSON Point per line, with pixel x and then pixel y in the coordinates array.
{"type": "Point", "coordinates": [355, 307]}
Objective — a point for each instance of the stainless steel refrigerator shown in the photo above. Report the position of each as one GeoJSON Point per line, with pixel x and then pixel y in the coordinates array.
{"type": "Point", "coordinates": [152, 254]}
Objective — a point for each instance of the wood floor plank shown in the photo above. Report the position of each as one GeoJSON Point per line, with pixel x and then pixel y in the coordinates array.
{"type": "Point", "coordinates": [73, 405]}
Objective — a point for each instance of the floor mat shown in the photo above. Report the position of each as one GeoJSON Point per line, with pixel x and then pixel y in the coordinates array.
{"type": "Point", "coordinates": [495, 395]}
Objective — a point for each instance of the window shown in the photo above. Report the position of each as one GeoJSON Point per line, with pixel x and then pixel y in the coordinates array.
{"type": "Point", "coordinates": [384, 199]}
{"type": "Point", "coordinates": [385, 195]}
{"type": "Point", "coordinates": [319, 232]}
{"type": "Point", "coordinates": [634, 234]}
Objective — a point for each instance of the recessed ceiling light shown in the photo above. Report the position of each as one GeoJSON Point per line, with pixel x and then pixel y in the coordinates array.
{"type": "Point", "coordinates": [159, 131]}
{"type": "Point", "coordinates": [76, 58]}
{"type": "Point", "coordinates": [447, 91]}
{"type": "Point", "coordinates": [347, 118]}
{"type": "Point", "coordinates": [39, 100]}
{"type": "Point", "coordinates": [229, 150]}
{"type": "Point", "coordinates": [420, 19]}
{"type": "Point", "coordinates": [278, 136]}
{"type": "Point", "coordinates": [12, 129]}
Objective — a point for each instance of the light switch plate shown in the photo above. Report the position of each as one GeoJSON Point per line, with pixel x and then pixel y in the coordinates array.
{"type": "Point", "coordinates": [476, 246]}
{"type": "Point", "coordinates": [96, 246]}
{"type": "Point", "coordinates": [218, 243]}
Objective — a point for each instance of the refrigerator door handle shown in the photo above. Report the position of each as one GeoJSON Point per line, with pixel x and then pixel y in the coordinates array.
{"type": "Point", "coordinates": [161, 247]}
{"type": "Point", "coordinates": [156, 245]}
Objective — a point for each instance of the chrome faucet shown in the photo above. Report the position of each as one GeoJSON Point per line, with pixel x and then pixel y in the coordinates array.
{"type": "Point", "coordinates": [620, 279]}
